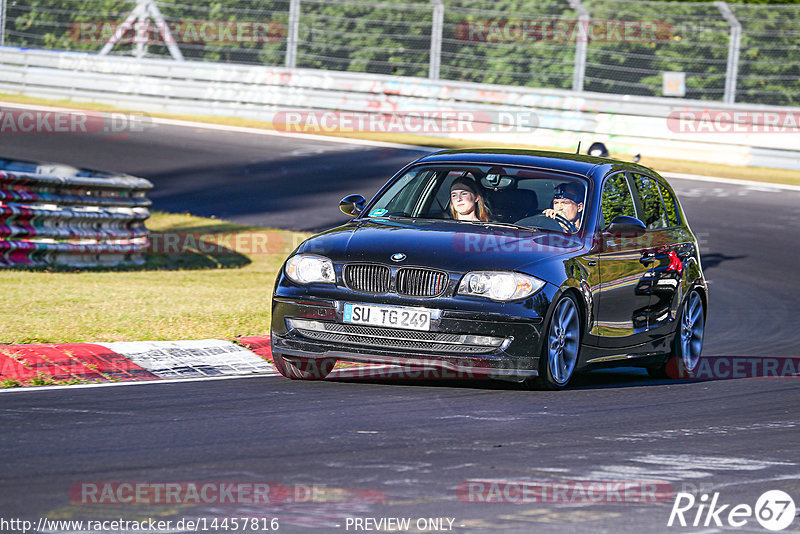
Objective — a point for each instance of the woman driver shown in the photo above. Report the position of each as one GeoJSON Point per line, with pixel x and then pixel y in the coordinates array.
{"type": "Point", "coordinates": [466, 204]}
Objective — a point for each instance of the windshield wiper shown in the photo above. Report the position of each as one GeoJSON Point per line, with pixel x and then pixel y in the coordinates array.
{"type": "Point", "coordinates": [503, 225]}
{"type": "Point", "coordinates": [520, 227]}
{"type": "Point", "coordinates": [479, 223]}
{"type": "Point", "coordinates": [389, 217]}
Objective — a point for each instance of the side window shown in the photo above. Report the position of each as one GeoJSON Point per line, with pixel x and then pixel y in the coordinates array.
{"type": "Point", "coordinates": [401, 196]}
{"type": "Point", "coordinates": [670, 205]}
{"type": "Point", "coordinates": [653, 214]}
{"type": "Point", "coordinates": [616, 199]}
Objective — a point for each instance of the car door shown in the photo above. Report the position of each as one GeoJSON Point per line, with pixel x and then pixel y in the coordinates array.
{"type": "Point", "coordinates": [657, 210]}
{"type": "Point", "coordinates": [623, 294]}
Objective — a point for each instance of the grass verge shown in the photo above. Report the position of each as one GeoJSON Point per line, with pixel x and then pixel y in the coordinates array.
{"type": "Point", "coordinates": [42, 380]}
{"type": "Point", "coordinates": [210, 279]}
{"type": "Point", "coordinates": [759, 174]}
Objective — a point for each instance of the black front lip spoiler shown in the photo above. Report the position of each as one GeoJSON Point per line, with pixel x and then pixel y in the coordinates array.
{"type": "Point", "coordinates": [446, 364]}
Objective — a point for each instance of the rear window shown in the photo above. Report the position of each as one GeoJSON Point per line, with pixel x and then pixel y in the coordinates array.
{"type": "Point", "coordinates": [670, 205]}
{"type": "Point", "coordinates": [617, 199]}
{"type": "Point", "coordinates": [653, 213]}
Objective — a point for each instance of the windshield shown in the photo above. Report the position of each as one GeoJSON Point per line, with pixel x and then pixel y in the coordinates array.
{"type": "Point", "coordinates": [490, 194]}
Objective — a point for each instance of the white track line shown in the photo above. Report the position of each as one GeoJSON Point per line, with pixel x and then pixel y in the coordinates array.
{"type": "Point", "coordinates": [26, 389]}
{"type": "Point", "coordinates": [312, 137]}
{"type": "Point", "coordinates": [364, 142]}
{"type": "Point", "coordinates": [237, 129]}
{"type": "Point", "coordinates": [732, 181]}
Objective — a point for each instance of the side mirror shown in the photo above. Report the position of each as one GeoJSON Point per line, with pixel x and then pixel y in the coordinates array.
{"type": "Point", "coordinates": [623, 225]}
{"type": "Point", "coordinates": [352, 205]}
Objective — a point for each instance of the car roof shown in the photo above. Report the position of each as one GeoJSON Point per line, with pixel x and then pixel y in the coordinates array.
{"type": "Point", "coordinates": [590, 166]}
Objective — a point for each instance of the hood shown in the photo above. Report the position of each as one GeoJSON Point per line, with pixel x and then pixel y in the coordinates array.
{"type": "Point", "coordinates": [446, 245]}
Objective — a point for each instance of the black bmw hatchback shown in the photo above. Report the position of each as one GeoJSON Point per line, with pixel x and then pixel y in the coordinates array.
{"type": "Point", "coordinates": [513, 264]}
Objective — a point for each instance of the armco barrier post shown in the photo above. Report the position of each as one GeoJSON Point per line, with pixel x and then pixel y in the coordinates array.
{"type": "Point", "coordinates": [292, 34]}
{"type": "Point", "coordinates": [2, 22]}
{"type": "Point", "coordinates": [437, 26]}
{"type": "Point", "coordinates": [61, 215]}
{"type": "Point", "coordinates": [734, 46]}
{"type": "Point", "coordinates": [581, 43]}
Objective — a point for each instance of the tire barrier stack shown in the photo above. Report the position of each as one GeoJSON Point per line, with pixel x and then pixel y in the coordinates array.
{"type": "Point", "coordinates": [60, 215]}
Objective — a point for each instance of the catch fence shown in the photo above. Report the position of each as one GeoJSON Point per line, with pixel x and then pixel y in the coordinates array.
{"type": "Point", "coordinates": [742, 53]}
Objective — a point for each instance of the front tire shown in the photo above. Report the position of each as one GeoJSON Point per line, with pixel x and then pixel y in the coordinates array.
{"type": "Point", "coordinates": [561, 346]}
{"type": "Point", "coordinates": [303, 368]}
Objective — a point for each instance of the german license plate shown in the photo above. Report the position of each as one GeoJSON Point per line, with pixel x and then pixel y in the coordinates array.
{"type": "Point", "coordinates": [388, 316]}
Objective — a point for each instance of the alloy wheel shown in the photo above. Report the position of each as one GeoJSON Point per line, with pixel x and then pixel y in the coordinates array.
{"type": "Point", "coordinates": [692, 329]}
{"type": "Point", "coordinates": [564, 341]}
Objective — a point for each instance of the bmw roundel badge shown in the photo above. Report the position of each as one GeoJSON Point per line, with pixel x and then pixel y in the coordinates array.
{"type": "Point", "coordinates": [398, 256]}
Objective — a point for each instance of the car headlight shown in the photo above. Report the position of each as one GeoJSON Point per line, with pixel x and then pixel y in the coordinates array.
{"type": "Point", "coordinates": [499, 285]}
{"type": "Point", "coordinates": [305, 269]}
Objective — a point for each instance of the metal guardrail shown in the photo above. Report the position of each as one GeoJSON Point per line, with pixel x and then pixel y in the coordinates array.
{"type": "Point", "coordinates": [60, 215]}
{"type": "Point", "coordinates": [629, 125]}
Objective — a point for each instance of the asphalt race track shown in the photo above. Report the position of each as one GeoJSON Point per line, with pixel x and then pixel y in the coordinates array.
{"type": "Point", "coordinates": [378, 448]}
{"type": "Point", "coordinates": [264, 180]}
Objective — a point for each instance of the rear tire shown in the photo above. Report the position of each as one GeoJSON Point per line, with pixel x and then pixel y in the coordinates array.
{"type": "Point", "coordinates": [561, 346]}
{"type": "Point", "coordinates": [688, 343]}
{"type": "Point", "coordinates": [658, 372]}
{"type": "Point", "coordinates": [303, 368]}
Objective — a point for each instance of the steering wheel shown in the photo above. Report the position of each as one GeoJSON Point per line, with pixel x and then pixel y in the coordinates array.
{"type": "Point", "coordinates": [551, 223]}
{"type": "Point", "coordinates": [569, 224]}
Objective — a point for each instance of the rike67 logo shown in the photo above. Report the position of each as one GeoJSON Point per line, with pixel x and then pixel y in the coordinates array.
{"type": "Point", "coordinates": [774, 510]}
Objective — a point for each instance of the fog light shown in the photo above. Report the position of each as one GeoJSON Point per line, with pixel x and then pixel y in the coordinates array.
{"type": "Point", "coordinates": [303, 324]}
{"type": "Point", "coordinates": [487, 341]}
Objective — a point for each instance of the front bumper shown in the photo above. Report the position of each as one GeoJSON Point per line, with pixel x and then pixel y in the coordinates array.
{"type": "Point", "coordinates": [468, 344]}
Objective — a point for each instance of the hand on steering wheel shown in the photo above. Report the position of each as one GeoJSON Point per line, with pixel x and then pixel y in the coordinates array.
{"type": "Point", "coordinates": [571, 228]}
